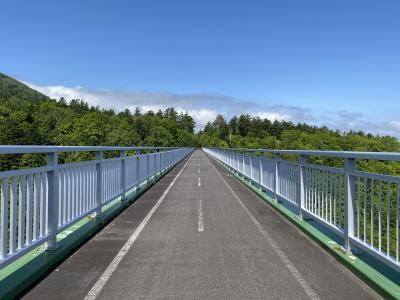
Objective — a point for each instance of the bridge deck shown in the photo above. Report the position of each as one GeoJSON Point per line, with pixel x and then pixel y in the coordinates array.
{"type": "Point", "coordinates": [210, 238]}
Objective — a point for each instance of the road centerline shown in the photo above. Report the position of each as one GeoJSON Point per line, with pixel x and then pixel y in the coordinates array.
{"type": "Point", "coordinates": [200, 216]}
{"type": "Point", "coordinates": [275, 247]}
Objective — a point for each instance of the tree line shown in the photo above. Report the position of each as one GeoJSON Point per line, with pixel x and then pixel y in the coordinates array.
{"type": "Point", "coordinates": [246, 132]}
{"type": "Point", "coordinates": [30, 118]}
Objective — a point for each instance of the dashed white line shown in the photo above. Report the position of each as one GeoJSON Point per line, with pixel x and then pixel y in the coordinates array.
{"type": "Point", "coordinates": [199, 182]}
{"type": "Point", "coordinates": [289, 265]}
{"type": "Point", "coordinates": [100, 283]}
{"type": "Point", "coordinates": [201, 220]}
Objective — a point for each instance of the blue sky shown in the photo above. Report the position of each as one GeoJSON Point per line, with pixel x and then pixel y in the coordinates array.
{"type": "Point", "coordinates": [323, 62]}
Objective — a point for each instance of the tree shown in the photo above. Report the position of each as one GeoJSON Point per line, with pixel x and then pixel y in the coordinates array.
{"type": "Point", "coordinates": [159, 136]}
{"type": "Point", "coordinates": [243, 124]}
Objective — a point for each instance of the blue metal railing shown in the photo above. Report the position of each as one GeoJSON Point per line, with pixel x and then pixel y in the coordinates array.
{"type": "Point", "coordinates": [361, 207]}
{"type": "Point", "coordinates": [38, 203]}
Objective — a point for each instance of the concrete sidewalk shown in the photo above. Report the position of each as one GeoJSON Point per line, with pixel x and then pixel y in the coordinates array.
{"type": "Point", "coordinates": [210, 238]}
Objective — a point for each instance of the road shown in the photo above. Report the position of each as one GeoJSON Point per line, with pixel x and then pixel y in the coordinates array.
{"type": "Point", "coordinates": [200, 234]}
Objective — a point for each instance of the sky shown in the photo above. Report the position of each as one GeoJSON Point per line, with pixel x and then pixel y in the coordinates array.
{"type": "Point", "coordinates": [323, 62]}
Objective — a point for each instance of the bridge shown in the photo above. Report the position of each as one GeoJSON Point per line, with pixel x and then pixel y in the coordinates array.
{"type": "Point", "coordinates": [182, 223]}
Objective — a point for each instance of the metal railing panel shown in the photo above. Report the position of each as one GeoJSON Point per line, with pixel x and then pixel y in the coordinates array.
{"type": "Point", "coordinates": [324, 195]}
{"type": "Point", "coordinates": [361, 207]}
{"type": "Point", "coordinates": [38, 203]}
{"type": "Point", "coordinates": [255, 168]}
{"type": "Point", "coordinates": [288, 180]}
{"type": "Point", "coordinates": [130, 171]}
{"type": "Point", "coordinates": [268, 168]}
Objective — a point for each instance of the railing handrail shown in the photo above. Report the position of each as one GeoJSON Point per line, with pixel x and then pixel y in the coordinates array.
{"type": "Point", "coordinates": [394, 156]}
{"type": "Point", "coordinates": [21, 149]}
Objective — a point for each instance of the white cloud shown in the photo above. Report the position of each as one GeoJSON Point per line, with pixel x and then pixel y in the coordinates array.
{"type": "Point", "coordinates": [274, 116]}
{"type": "Point", "coordinates": [202, 116]}
{"type": "Point", "coordinates": [395, 125]}
{"type": "Point", "coordinates": [204, 107]}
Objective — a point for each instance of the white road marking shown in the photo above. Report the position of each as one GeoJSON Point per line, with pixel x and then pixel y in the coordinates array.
{"type": "Point", "coordinates": [201, 220]}
{"type": "Point", "coordinates": [199, 182]}
{"type": "Point", "coordinates": [198, 171]}
{"type": "Point", "coordinates": [100, 283]}
{"type": "Point", "coordinates": [289, 265]}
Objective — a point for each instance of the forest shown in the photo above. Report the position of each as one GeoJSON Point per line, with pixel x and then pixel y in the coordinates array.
{"type": "Point", "coordinates": [255, 133]}
{"type": "Point", "coordinates": [28, 117]}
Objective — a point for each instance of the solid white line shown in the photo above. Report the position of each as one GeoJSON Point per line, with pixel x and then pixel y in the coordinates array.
{"type": "Point", "coordinates": [98, 286]}
{"type": "Point", "coordinates": [289, 265]}
{"type": "Point", "coordinates": [199, 182]}
{"type": "Point", "coordinates": [201, 220]}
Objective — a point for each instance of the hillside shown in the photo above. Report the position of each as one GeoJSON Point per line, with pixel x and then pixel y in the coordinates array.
{"type": "Point", "coordinates": [10, 87]}
{"type": "Point", "coordinates": [28, 117]}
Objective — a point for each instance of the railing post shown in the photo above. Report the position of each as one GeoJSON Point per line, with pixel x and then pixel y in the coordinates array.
{"type": "Point", "coordinates": [164, 160]}
{"type": "Point", "coordinates": [168, 159]}
{"type": "Point", "coordinates": [243, 164]}
{"type": "Point", "coordinates": [147, 165]}
{"type": "Point", "coordinates": [167, 156]}
{"type": "Point", "coordinates": [276, 175]}
{"type": "Point", "coordinates": [137, 168]}
{"type": "Point", "coordinates": [156, 157]}
{"type": "Point", "coordinates": [238, 161]}
{"type": "Point", "coordinates": [235, 156]}
{"type": "Point", "coordinates": [349, 199]}
{"type": "Point", "coordinates": [251, 166]}
{"type": "Point", "coordinates": [52, 205]}
{"type": "Point", "coordinates": [261, 177]}
{"type": "Point", "coordinates": [122, 154]}
{"type": "Point", "coordinates": [99, 182]}
{"type": "Point", "coordinates": [301, 185]}
{"type": "Point", "coordinates": [4, 219]}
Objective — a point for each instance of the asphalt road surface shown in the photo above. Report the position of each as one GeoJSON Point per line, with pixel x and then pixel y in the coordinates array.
{"type": "Point", "coordinates": [200, 234]}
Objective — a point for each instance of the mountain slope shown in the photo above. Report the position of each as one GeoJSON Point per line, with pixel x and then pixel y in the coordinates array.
{"type": "Point", "coordinates": [10, 87]}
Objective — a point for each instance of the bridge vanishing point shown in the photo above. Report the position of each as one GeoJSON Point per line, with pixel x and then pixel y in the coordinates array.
{"type": "Point", "coordinates": [166, 223]}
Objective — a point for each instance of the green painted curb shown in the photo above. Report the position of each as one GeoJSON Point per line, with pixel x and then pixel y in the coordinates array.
{"type": "Point", "coordinates": [376, 280]}
{"type": "Point", "coordinates": [22, 273]}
